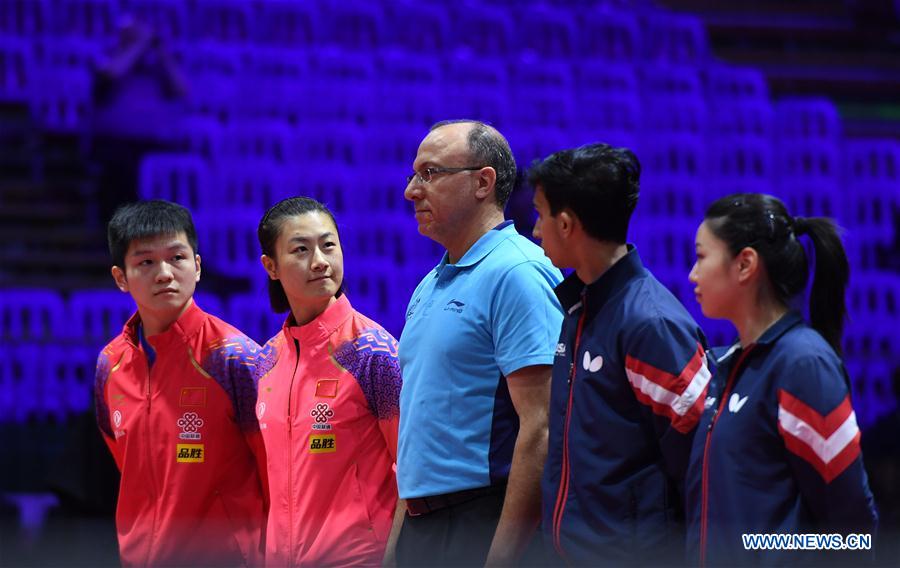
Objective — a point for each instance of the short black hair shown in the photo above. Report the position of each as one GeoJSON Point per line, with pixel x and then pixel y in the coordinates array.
{"type": "Point", "coordinates": [488, 147]}
{"type": "Point", "coordinates": [270, 228]}
{"type": "Point", "coordinates": [598, 182]}
{"type": "Point", "coordinates": [144, 220]}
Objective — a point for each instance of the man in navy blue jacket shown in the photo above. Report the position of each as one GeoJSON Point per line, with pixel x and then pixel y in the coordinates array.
{"type": "Point", "coordinates": [629, 377]}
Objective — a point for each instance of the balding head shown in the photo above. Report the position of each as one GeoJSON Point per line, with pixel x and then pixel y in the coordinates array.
{"type": "Point", "coordinates": [486, 146]}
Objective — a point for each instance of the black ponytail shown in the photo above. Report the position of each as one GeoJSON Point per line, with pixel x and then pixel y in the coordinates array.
{"type": "Point", "coordinates": [827, 304]}
{"type": "Point", "coordinates": [762, 222]}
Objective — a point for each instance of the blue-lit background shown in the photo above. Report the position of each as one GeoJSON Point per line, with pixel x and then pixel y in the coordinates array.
{"type": "Point", "coordinates": [226, 106]}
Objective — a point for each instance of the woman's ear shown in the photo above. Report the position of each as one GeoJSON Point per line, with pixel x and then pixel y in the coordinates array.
{"type": "Point", "coordinates": [270, 267]}
{"type": "Point", "coordinates": [748, 264]}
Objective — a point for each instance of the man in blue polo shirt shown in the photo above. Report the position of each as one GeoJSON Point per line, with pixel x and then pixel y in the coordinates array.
{"type": "Point", "coordinates": [475, 356]}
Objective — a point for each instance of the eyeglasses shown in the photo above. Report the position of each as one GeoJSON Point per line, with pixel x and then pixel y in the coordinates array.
{"type": "Point", "coordinates": [426, 175]}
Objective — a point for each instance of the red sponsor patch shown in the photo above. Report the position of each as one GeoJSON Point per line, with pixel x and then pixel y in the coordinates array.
{"type": "Point", "coordinates": [193, 396]}
{"type": "Point", "coordinates": [327, 388]}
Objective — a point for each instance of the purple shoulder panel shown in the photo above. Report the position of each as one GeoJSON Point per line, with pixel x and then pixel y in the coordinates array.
{"type": "Point", "coordinates": [234, 364]}
{"type": "Point", "coordinates": [372, 359]}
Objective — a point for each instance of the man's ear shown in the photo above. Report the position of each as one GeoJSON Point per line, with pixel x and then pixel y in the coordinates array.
{"type": "Point", "coordinates": [566, 222]}
{"type": "Point", "coordinates": [270, 266]}
{"type": "Point", "coordinates": [197, 264]}
{"type": "Point", "coordinates": [119, 277]}
{"type": "Point", "coordinates": [487, 182]}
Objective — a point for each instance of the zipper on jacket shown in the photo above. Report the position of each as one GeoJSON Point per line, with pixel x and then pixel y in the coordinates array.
{"type": "Point", "coordinates": [704, 494]}
{"type": "Point", "coordinates": [290, 468]}
{"type": "Point", "coordinates": [149, 445]}
{"type": "Point", "coordinates": [563, 492]}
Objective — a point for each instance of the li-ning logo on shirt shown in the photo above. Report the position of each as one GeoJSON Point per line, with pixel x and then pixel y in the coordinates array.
{"type": "Point", "coordinates": [412, 308]}
{"type": "Point", "coordinates": [454, 306]}
{"type": "Point", "coordinates": [735, 403]}
{"type": "Point", "coordinates": [189, 424]}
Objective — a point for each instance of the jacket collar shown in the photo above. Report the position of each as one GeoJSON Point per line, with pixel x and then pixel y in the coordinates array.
{"type": "Point", "coordinates": [787, 322]}
{"type": "Point", "coordinates": [572, 291]}
{"type": "Point", "coordinates": [182, 330]}
{"type": "Point", "coordinates": [322, 326]}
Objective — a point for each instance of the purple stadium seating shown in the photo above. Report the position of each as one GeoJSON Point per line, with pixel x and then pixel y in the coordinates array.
{"type": "Point", "coordinates": [16, 69]}
{"type": "Point", "coordinates": [61, 99]}
{"type": "Point", "coordinates": [476, 87]}
{"type": "Point", "coordinates": [485, 31]}
{"type": "Point", "coordinates": [607, 101]}
{"type": "Point", "coordinates": [724, 82]}
{"type": "Point", "coordinates": [541, 94]}
{"type": "Point", "coordinates": [228, 242]}
{"type": "Point", "coordinates": [608, 35]}
{"type": "Point", "coordinates": [286, 23]}
{"type": "Point", "coordinates": [168, 18]}
{"type": "Point", "coordinates": [221, 21]}
{"type": "Point", "coordinates": [260, 140]}
{"type": "Point", "coordinates": [252, 314]}
{"type": "Point", "coordinates": [871, 179]}
{"type": "Point", "coordinates": [408, 90]}
{"type": "Point", "coordinates": [807, 119]}
{"type": "Point", "coordinates": [255, 185]}
{"type": "Point", "coordinates": [25, 18]}
{"type": "Point", "coordinates": [97, 316]}
{"type": "Point", "coordinates": [674, 39]}
{"type": "Point", "coordinates": [351, 26]}
{"type": "Point", "coordinates": [86, 18]}
{"type": "Point", "coordinates": [31, 315]}
{"type": "Point", "coordinates": [548, 33]}
{"type": "Point", "coordinates": [742, 118]}
{"type": "Point", "coordinates": [182, 178]}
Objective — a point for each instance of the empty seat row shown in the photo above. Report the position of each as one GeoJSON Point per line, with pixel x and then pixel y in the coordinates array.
{"type": "Point", "coordinates": [556, 30]}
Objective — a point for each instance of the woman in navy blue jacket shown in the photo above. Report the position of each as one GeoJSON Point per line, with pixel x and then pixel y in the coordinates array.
{"type": "Point", "coordinates": [777, 449]}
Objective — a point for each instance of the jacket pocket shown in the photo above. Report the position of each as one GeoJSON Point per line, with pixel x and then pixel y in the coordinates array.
{"type": "Point", "coordinates": [227, 521]}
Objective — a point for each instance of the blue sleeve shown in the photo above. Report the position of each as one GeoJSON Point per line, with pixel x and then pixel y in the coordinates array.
{"type": "Point", "coordinates": [817, 423]}
{"type": "Point", "coordinates": [233, 363]}
{"type": "Point", "coordinates": [526, 317]}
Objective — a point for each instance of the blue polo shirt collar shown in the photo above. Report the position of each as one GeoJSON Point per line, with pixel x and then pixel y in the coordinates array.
{"type": "Point", "coordinates": [482, 247]}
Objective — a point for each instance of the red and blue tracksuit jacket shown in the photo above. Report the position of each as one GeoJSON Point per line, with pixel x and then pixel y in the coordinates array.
{"type": "Point", "coordinates": [629, 381]}
{"type": "Point", "coordinates": [777, 450]}
{"type": "Point", "coordinates": [177, 412]}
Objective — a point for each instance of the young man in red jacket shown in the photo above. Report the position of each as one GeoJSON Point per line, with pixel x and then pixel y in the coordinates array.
{"type": "Point", "coordinates": [175, 400]}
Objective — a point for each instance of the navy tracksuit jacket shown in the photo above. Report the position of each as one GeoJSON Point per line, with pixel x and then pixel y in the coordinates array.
{"type": "Point", "coordinates": [777, 451]}
{"type": "Point", "coordinates": [629, 382]}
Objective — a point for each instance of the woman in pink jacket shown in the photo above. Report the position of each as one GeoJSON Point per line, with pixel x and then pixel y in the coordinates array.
{"type": "Point", "coordinates": [328, 403]}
